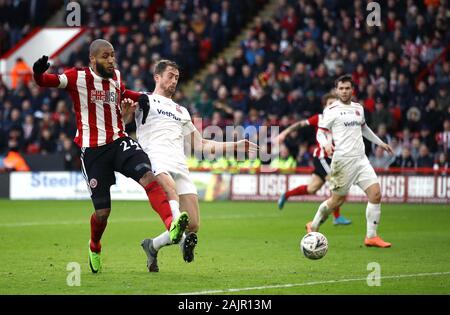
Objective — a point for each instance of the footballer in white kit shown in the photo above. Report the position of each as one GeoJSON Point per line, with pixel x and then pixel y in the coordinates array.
{"type": "Point", "coordinates": [162, 138]}
{"type": "Point", "coordinates": [321, 161]}
{"type": "Point", "coordinates": [350, 165]}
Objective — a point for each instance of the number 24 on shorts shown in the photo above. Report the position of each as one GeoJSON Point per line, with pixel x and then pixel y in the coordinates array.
{"type": "Point", "coordinates": [127, 144]}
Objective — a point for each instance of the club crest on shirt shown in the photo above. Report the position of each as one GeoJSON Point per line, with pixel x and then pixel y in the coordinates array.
{"type": "Point", "coordinates": [93, 183]}
{"type": "Point", "coordinates": [179, 109]}
{"type": "Point", "coordinates": [357, 113]}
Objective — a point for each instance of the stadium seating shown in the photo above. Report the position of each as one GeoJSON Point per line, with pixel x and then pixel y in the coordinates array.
{"type": "Point", "coordinates": [277, 76]}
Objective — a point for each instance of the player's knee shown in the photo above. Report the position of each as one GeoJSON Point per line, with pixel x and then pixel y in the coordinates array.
{"type": "Point", "coordinates": [194, 226]}
{"type": "Point", "coordinates": [147, 178]}
{"type": "Point", "coordinates": [169, 187]}
{"type": "Point", "coordinates": [332, 205]}
{"type": "Point", "coordinates": [102, 214]}
{"type": "Point", "coordinates": [335, 202]}
{"type": "Point", "coordinates": [102, 205]}
{"type": "Point", "coordinates": [312, 189]}
{"type": "Point", "coordinates": [375, 197]}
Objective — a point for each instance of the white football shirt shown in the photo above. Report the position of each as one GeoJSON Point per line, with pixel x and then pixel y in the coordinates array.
{"type": "Point", "coordinates": [345, 122]}
{"type": "Point", "coordinates": [162, 135]}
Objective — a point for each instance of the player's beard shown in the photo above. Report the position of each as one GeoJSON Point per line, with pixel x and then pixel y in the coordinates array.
{"type": "Point", "coordinates": [346, 99]}
{"type": "Point", "coordinates": [170, 91]}
{"type": "Point", "coordinates": [103, 72]}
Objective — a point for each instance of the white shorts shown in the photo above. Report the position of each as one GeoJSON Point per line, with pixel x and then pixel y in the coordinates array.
{"type": "Point", "coordinates": [180, 175]}
{"type": "Point", "coordinates": [349, 171]}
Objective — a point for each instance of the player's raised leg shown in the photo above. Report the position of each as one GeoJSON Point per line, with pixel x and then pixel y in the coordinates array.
{"type": "Point", "coordinates": [324, 211]}
{"type": "Point", "coordinates": [134, 162]}
{"type": "Point", "coordinates": [180, 220]}
{"type": "Point", "coordinates": [188, 202]}
{"type": "Point", "coordinates": [314, 185]}
{"type": "Point", "coordinates": [373, 215]}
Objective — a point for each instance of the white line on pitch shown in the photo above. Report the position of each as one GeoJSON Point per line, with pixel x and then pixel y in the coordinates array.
{"type": "Point", "coordinates": [290, 285]}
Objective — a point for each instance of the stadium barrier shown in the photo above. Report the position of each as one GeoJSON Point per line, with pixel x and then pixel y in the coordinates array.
{"type": "Point", "coordinates": [395, 188]}
{"type": "Point", "coordinates": [425, 186]}
{"type": "Point", "coordinates": [72, 185]}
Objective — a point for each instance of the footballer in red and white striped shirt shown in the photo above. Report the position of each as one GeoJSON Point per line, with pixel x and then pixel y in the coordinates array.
{"type": "Point", "coordinates": [101, 104]}
{"type": "Point", "coordinates": [96, 99]}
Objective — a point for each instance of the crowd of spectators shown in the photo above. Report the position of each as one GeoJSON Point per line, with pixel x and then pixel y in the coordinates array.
{"type": "Point", "coordinates": [18, 18]}
{"type": "Point", "coordinates": [286, 63]}
{"type": "Point", "coordinates": [190, 32]}
{"type": "Point", "coordinates": [277, 75]}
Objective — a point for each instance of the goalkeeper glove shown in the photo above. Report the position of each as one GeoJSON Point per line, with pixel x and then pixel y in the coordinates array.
{"type": "Point", "coordinates": [144, 105]}
{"type": "Point", "coordinates": [41, 65]}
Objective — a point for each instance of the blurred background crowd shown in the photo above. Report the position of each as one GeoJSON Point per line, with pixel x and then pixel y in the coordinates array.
{"type": "Point", "coordinates": [283, 66]}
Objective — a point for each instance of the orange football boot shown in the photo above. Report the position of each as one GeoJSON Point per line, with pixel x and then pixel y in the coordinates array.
{"type": "Point", "coordinates": [376, 242]}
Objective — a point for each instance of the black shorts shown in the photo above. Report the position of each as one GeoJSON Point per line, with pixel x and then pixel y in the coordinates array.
{"type": "Point", "coordinates": [322, 167]}
{"type": "Point", "coordinates": [98, 164]}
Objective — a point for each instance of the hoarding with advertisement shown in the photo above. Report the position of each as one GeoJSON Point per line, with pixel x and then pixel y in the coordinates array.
{"type": "Point", "coordinates": [395, 188]}
{"type": "Point", "coordinates": [71, 185]}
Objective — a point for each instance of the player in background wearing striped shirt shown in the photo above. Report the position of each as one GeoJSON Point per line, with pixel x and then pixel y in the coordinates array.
{"type": "Point", "coordinates": [350, 165]}
{"type": "Point", "coordinates": [101, 103]}
{"type": "Point", "coordinates": [321, 163]}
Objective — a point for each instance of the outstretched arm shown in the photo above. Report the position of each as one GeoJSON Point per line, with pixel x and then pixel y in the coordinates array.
{"type": "Point", "coordinates": [221, 147]}
{"type": "Point", "coordinates": [372, 137]}
{"type": "Point", "coordinates": [44, 79]}
{"type": "Point", "coordinates": [133, 95]}
{"type": "Point", "coordinates": [299, 124]}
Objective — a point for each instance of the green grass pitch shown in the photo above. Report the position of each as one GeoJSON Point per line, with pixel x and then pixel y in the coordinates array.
{"type": "Point", "coordinates": [244, 248]}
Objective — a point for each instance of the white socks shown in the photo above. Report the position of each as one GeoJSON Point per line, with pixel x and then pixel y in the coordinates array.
{"type": "Point", "coordinates": [182, 240]}
{"type": "Point", "coordinates": [175, 208]}
{"type": "Point", "coordinates": [373, 214]}
{"type": "Point", "coordinates": [164, 238]}
{"type": "Point", "coordinates": [321, 216]}
{"type": "Point", "coordinates": [161, 240]}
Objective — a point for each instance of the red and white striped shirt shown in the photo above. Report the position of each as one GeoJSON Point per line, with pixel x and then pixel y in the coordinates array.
{"type": "Point", "coordinates": [96, 102]}
{"type": "Point", "coordinates": [319, 152]}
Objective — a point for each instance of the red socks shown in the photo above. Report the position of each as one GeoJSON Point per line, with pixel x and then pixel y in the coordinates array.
{"type": "Point", "coordinates": [97, 228]}
{"type": "Point", "coordinates": [158, 199]}
{"type": "Point", "coordinates": [300, 190]}
{"type": "Point", "coordinates": [303, 190]}
{"type": "Point", "coordinates": [337, 212]}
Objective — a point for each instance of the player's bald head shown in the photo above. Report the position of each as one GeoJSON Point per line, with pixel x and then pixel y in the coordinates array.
{"type": "Point", "coordinates": [101, 58]}
{"type": "Point", "coordinates": [98, 45]}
